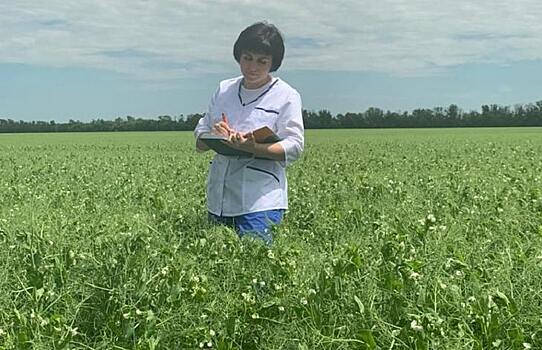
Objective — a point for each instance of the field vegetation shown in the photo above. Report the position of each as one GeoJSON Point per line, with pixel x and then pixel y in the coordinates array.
{"type": "Point", "coordinates": [395, 239]}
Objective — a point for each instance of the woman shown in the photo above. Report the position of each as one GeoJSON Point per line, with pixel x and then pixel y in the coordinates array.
{"type": "Point", "coordinates": [250, 193]}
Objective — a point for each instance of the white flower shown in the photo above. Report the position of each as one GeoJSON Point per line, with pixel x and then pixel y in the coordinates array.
{"type": "Point", "coordinates": [247, 297]}
{"type": "Point", "coordinates": [281, 308]}
{"type": "Point", "coordinates": [303, 301]}
{"type": "Point", "coordinates": [254, 281]}
{"type": "Point", "coordinates": [414, 276]}
{"type": "Point", "coordinates": [496, 343]}
{"type": "Point", "coordinates": [431, 218]}
{"type": "Point", "coordinates": [527, 346]}
{"type": "Point", "coordinates": [312, 292]}
{"type": "Point", "coordinates": [262, 283]}
{"type": "Point", "coordinates": [212, 333]}
{"type": "Point", "coordinates": [255, 316]}
{"type": "Point", "coordinates": [74, 331]}
{"type": "Point", "coordinates": [415, 326]}
{"type": "Point", "coordinates": [209, 344]}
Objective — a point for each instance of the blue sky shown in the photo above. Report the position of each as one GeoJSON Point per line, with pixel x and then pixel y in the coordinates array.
{"type": "Point", "coordinates": [103, 59]}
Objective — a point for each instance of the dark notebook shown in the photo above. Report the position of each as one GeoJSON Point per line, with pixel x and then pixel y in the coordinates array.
{"type": "Point", "coordinates": [261, 135]}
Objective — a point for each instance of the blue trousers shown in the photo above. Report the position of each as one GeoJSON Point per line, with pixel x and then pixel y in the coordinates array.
{"type": "Point", "coordinates": [257, 225]}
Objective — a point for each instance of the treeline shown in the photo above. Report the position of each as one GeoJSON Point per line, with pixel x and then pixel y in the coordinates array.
{"type": "Point", "coordinates": [452, 116]}
{"type": "Point", "coordinates": [129, 123]}
{"type": "Point", "coordinates": [438, 117]}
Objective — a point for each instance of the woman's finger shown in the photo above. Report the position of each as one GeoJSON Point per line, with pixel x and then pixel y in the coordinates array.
{"type": "Point", "coordinates": [225, 127]}
{"type": "Point", "coordinates": [219, 129]}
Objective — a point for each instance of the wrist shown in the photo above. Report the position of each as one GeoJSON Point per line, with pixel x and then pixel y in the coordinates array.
{"type": "Point", "coordinates": [259, 149]}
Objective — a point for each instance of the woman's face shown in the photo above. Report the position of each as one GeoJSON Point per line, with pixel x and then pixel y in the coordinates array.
{"type": "Point", "coordinates": [255, 69]}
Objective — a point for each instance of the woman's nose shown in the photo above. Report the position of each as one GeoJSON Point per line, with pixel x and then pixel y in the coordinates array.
{"type": "Point", "coordinates": [251, 65]}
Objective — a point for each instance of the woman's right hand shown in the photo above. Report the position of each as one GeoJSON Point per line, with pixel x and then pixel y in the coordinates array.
{"type": "Point", "coordinates": [223, 128]}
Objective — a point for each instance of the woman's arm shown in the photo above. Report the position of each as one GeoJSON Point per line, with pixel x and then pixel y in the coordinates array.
{"type": "Point", "coordinates": [247, 143]}
{"type": "Point", "coordinates": [204, 124]}
{"type": "Point", "coordinates": [291, 130]}
{"type": "Point", "coordinates": [269, 150]}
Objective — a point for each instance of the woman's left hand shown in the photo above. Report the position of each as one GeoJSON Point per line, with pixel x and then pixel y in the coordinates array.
{"type": "Point", "coordinates": [243, 142]}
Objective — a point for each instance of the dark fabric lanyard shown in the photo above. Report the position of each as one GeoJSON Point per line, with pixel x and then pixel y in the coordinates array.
{"type": "Point", "coordinates": [257, 98]}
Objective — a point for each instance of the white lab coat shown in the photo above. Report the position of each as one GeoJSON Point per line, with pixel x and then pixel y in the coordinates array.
{"type": "Point", "coordinates": [237, 185]}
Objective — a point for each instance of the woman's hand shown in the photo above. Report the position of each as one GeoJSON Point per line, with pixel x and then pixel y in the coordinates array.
{"type": "Point", "coordinates": [246, 142]}
{"type": "Point", "coordinates": [223, 128]}
{"type": "Point", "coordinates": [243, 142]}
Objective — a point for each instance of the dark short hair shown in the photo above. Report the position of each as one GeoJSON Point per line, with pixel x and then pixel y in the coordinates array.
{"type": "Point", "coordinates": [261, 38]}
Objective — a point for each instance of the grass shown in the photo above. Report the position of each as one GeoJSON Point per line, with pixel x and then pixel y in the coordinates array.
{"type": "Point", "coordinates": [395, 239]}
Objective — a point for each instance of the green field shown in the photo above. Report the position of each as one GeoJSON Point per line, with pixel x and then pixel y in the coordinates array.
{"type": "Point", "coordinates": [395, 239]}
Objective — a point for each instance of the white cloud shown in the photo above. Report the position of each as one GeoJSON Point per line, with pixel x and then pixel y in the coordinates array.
{"type": "Point", "coordinates": [161, 40]}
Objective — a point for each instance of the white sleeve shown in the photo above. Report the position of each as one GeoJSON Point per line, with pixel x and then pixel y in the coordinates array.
{"type": "Point", "coordinates": [290, 129]}
{"type": "Point", "coordinates": [204, 124]}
